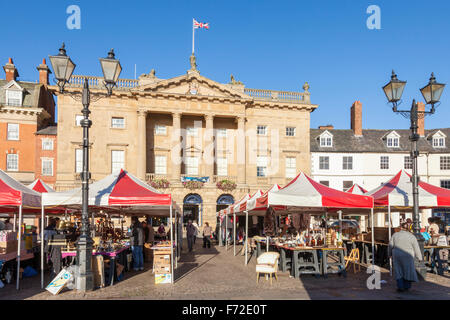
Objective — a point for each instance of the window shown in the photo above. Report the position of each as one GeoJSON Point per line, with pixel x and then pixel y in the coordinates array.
{"type": "Point", "coordinates": [392, 142]}
{"type": "Point", "coordinates": [408, 162]}
{"type": "Point", "coordinates": [445, 184]}
{"type": "Point", "coordinates": [13, 131]}
{"type": "Point", "coordinates": [445, 163]}
{"type": "Point", "coordinates": [160, 130]}
{"type": "Point", "coordinates": [118, 123]}
{"type": "Point", "coordinates": [160, 164]}
{"type": "Point", "coordinates": [347, 185]}
{"type": "Point", "coordinates": [325, 183]}
{"type": "Point", "coordinates": [78, 160]}
{"type": "Point", "coordinates": [13, 98]}
{"type": "Point", "coordinates": [347, 163]}
{"type": "Point", "coordinates": [290, 131]}
{"type": "Point", "coordinates": [326, 141]}
{"type": "Point", "coordinates": [47, 144]}
{"type": "Point", "coordinates": [78, 119]}
{"type": "Point", "coordinates": [192, 166]}
{"type": "Point", "coordinates": [192, 131]}
{"type": "Point", "coordinates": [384, 162]}
{"type": "Point", "coordinates": [221, 132]}
{"type": "Point", "coordinates": [438, 142]}
{"type": "Point", "coordinates": [12, 162]}
{"type": "Point", "coordinates": [222, 166]}
{"type": "Point", "coordinates": [261, 166]}
{"type": "Point", "coordinates": [324, 163]}
{"type": "Point", "coordinates": [117, 160]}
{"type": "Point", "coordinates": [261, 130]}
{"type": "Point", "coordinates": [291, 167]}
{"type": "Point", "coordinates": [47, 167]}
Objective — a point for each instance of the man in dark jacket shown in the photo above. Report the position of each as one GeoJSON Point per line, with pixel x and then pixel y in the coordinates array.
{"type": "Point", "coordinates": [137, 243]}
{"type": "Point", "coordinates": [190, 234]}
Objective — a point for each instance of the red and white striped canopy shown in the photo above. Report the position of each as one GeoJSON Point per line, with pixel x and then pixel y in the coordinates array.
{"type": "Point", "coordinates": [121, 189]}
{"type": "Point", "coordinates": [260, 203]}
{"type": "Point", "coordinates": [244, 205]}
{"type": "Point", "coordinates": [305, 192]}
{"type": "Point", "coordinates": [13, 193]}
{"type": "Point", "coordinates": [357, 189]}
{"type": "Point", "coordinates": [398, 192]}
{"type": "Point", "coordinates": [40, 186]}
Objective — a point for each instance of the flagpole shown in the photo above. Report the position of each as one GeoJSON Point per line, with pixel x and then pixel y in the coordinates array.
{"type": "Point", "coordinates": [193, 35]}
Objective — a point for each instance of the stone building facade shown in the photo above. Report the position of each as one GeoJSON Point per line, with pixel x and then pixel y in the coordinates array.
{"type": "Point", "coordinates": [188, 128]}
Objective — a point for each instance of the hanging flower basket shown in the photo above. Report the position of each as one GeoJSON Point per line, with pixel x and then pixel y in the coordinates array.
{"type": "Point", "coordinates": [226, 185]}
{"type": "Point", "coordinates": [159, 183]}
{"type": "Point", "coordinates": [192, 184]}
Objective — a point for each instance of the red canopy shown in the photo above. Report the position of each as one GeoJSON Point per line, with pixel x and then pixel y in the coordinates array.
{"type": "Point", "coordinates": [40, 186]}
{"type": "Point", "coordinates": [13, 193]}
{"type": "Point", "coordinates": [357, 189]}
{"type": "Point", "coordinates": [398, 192]}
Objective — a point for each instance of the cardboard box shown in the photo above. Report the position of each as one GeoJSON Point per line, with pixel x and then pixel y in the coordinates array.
{"type": "Point", "coordinates": [163, 278]}
{"type": "Point", "coordinates": [161, 269]}
{"type": "Point", "coordinates": [8, 246]}
{"type": "Point", "coordinates": [161, 259]}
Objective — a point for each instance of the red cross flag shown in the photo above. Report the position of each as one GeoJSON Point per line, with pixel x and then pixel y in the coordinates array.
{"type": "Point", "coordinates": [200, 25]}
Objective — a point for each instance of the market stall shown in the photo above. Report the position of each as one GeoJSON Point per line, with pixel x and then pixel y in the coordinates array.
{"type": "Point", "coordinates": [303, 196]}
{"type": "Point", "coordinates": [13, 194]}
{"type": "Point", "coordinates": [125, 195]}
{"type": "Point", "coordinates": [397, 192]}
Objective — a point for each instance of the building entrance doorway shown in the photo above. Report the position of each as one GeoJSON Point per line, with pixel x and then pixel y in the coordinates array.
{"type": "Point", "coordinates": [193, 209]}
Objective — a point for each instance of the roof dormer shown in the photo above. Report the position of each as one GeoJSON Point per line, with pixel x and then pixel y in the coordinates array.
{"type": "Point", "coordinates": [438, 139]}
{"type": "Point", "coordinates": [326, 139]}
{"type": "Point", "coordinates": [392, 140]}
{"type": "Point", "coordinates": [13, 94]}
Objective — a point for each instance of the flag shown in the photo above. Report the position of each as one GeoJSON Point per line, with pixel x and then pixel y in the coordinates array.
{"type": "Point", "coordinates": [200, 25]}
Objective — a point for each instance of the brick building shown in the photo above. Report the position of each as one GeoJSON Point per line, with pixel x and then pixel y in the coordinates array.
{"type": "Point", "coordinates": [25, 108]}
{"type": "Point", "coordinates": [46, 146]}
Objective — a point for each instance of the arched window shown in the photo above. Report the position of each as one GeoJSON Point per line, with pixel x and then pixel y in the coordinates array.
{"type": "Point", "coordinates": [225, 199]}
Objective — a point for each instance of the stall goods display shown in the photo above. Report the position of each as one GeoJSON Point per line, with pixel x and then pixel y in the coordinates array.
{"type": "Point", "coordinates": [8, 246]}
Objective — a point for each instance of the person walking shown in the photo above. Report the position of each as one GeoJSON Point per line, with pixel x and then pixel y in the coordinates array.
{"type": "Point", "coordinates": [403, 247]}
{"type": "Point", "coordinates": [137, 243]}
{"type": "Point", "coordinates": [207, 232]}
{"type": "Point", "coordinates": [196, 230]}
{"type": "Point", "coordinates": [190, 233]}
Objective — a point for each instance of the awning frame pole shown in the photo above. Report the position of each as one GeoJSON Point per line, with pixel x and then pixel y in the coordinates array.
{"type": "Point", "coordinates": [373, 241]}
{"type": "Point", "coordinates": [42, 245]}
{"type": "Point", "coordinates": [226, 232]}
{"type": "Point", "coordinates": [246, 237]}
{"type": "Point", "coordinates": [171, 247]}
{"type": "Point", "coordinates": [19, 245]}
{"type": "Point", "coordinates": [390, 233]}
{"type": "Point", "coordinates": [234, 234]}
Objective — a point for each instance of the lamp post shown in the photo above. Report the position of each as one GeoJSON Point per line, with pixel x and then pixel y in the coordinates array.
{"type": "Point", "coordinates": [63, 68]}
{"type": "Point", "coordinates": [431, 93]}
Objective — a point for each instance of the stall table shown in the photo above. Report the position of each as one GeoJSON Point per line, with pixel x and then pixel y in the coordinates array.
{"type": "Point", "coordinates": [365, 247]}
{"type": "Point", "coordinates": [119, 254]}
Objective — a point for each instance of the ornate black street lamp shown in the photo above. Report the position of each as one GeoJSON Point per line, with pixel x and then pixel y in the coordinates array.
{"type": "Point", "coordinates": [63, 68]}
{"type": "Point", "coordinates": [432, 94]}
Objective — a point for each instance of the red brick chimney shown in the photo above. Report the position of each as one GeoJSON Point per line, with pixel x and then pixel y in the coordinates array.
{"type": "Point", "coordinates": [10, 70]}
{"type": "Point", "coordinates": [44, 72]}
{"type": "Point", "coordinates": [356, 118]}
{"type": "Point", "coordinates": [421, 120]}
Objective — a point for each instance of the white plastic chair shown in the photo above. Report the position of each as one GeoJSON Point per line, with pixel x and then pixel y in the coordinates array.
{"type": "Point", "coordinates": [267, 263]}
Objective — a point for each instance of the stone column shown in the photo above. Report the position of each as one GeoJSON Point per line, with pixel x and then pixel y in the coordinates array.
{"type": "Point", "coordinates": [142, 144]}
{"type": "Point", "coordinates": [241, 150]}
{"type": "Point", "coordinates": [208, 155]}
{"type": "Point", "coordinates": [176, 147]}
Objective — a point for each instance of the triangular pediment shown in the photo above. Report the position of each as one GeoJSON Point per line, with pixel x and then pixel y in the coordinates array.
{"type": "Point", "coordinates": [13, 85]}
{"type": "Point", "coordinates": [191, 84]}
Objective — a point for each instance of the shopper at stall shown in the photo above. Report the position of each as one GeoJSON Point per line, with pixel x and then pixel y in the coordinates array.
{"type": "Point", "coordinates": [137, 243]}
{"type": "Point", "coordinates": [161, 230]}
{"type": "Point", "coordinates": [433, 230]}
{"type": "Point", "coordinates": [207, 232]}
{"type": "Point", "coordinates": [403, 247]}
{"type": "Point", "coordinates": [190, 233]}
{"type": "Point", "coordinates": [8, 225]}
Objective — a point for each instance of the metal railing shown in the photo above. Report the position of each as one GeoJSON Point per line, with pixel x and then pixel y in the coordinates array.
{"type": "Point", "coordinates": [154, 176]}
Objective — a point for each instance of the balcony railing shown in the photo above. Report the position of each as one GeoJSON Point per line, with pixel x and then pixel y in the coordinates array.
{"type": "Point", "coordinates": [97, 82]}
{"type": "Point", "coordinates": [216, 178]}
{"type": "Point", "coordinates": [275, 95]}
{"type": "Point", "coordinates": [154, 176]}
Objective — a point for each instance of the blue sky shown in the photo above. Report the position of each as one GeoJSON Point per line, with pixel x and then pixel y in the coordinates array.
{"type": "Point", "coordinates": [265, 44]}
